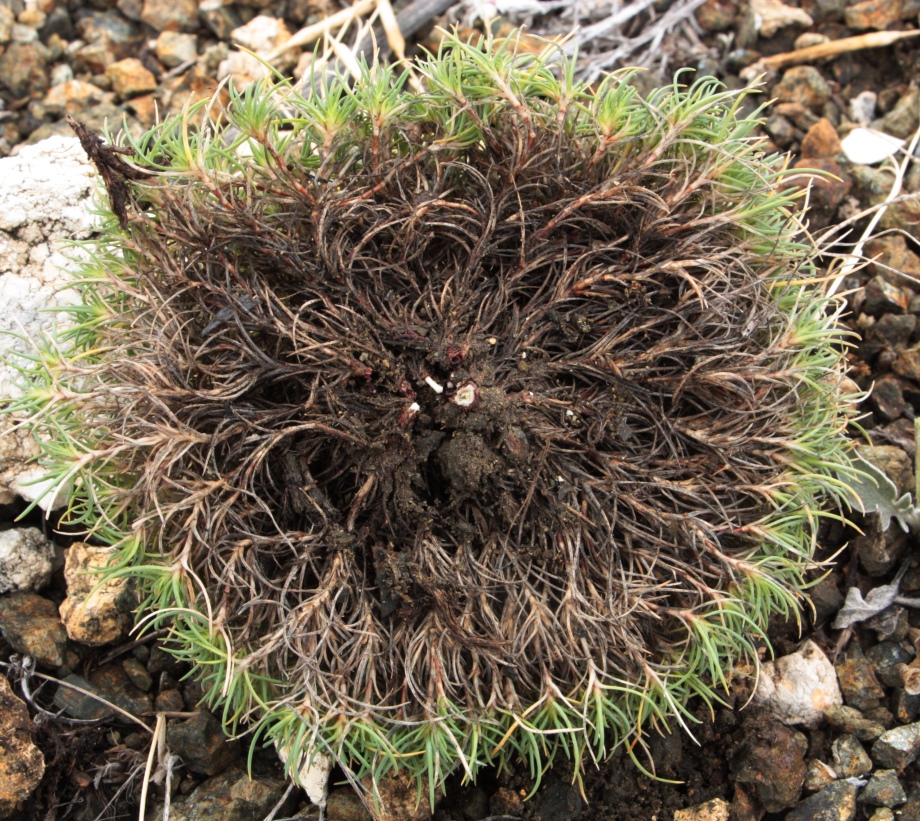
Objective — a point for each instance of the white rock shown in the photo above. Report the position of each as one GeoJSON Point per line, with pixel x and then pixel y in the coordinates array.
{"type": "Point", "coordinates": [862, 107]}
{"type": "Point", "coordinates": [44, 201]}
{"type": "Point", "coordinates": [866, 146]}
{"type": "Point", "coordinates": [26, 559]}
{"type": "Point", "coordinates": [772, 15]}
{"type": "Point", "coordinates": [243, 68]}
{"type": "Point", "coordinates": [30, 484]}
{"type": "Point", "coordinates": [312, 776]}
{"type": "Point", "coordinates": [798, 688]}
{"type": "Point", "coordinates": [262, 33]}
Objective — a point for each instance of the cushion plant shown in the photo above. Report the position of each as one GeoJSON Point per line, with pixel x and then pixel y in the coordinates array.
{"type": "Point", "coordinates": [443, 428]}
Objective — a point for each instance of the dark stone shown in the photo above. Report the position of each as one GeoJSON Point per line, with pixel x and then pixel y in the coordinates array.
{"type": "Point", "coordinates": [771, 760]}
{"type": "Point", "coordinates": [221, 19]}
{"type": "Point", "coordinates": [906, 706]}
{"type": "Point", "coordinates": [883, 790]}
{"type": "Point", "coordinates": [848, 720]}
{"type": "Point", "coordinates": [202, 745]}
{"type": "Point", "coordinates": [836, 802]}
{"type": "Point", "coordinates": [782, 132]}
{"type": "Point", "coordinates": [850, 759]}
{"type": "Point", "coordinates": [476, 804]}
{"type": "Point", "coordinates": [893, 330]}
{"type": "Point", "coordinates": [881, 297]}
{"type": "Point", "coordinates": [881, 714]}
{"type": "Point", "coordinates": [505, 801]}
{"type": "Point", "coordinates": [895, 749]}
{"type": "Point", "coordinates": [161, 661]}
{"type": "Point", "coordinates": [828, 190]}
{"type": "Point", "coordinates": [168, 701]}
{"type": "Point", "coordinates": [113, 682]}
{"type": "Point", "coordinates": [558, 799]}
{"type": "Point", "coordinates": [879, 551]}
{"type": "Point", "coordinates": [885, 657]}
{"type": "Point", "coordinates": [79, 705]}
{"type": "Point", "coordinates": [888, 397]}
{"type": "Point", "coordinates": [138, 674]}
{"type": "Point", "coordinates": [59, 22]}
{"type": "Point", "coordinates": [826, 597]}
{"type": "Point", "coordinates": [857, 679]}
{"type": "Point", "coordinates": [343, 804]}
{"type": "Point", "coordinates": [32, 626]}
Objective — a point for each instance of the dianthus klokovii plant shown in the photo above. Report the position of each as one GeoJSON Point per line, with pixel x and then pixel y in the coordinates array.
{"type": "Point", "coordinates": [448, 428]}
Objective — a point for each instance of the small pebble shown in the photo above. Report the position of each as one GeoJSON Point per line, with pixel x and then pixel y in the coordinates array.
{"type": "Point", "coordinates": [852, 721]}
{"type": "Point", "coordinates": [862, 107]}
{"type": "Point", "coordinates": [897, 748]}
{"type": "Point", "coordinates": [850, 759]}
{"type": "Point", "coordinates": [883, 790]}
{"type": "Point", "coordinates": [836, 802]}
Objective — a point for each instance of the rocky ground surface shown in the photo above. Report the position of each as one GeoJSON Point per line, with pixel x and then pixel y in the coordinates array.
{"type": "Point", "coordinates": [833, 731]}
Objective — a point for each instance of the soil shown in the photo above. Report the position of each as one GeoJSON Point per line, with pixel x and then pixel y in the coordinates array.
{"type": "Point", "coordinates": [96, 771]}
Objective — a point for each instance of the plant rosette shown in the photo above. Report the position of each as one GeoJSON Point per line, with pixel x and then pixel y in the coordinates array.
{"type": "Point", "coordinates": [447, 428]}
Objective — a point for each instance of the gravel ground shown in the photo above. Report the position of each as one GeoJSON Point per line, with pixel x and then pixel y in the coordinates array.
{"type": "Point", "coordinates": [107, 62]}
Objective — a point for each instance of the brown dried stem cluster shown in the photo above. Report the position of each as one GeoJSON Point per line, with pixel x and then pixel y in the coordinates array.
{"type": "Point", "coordinates": [458, 439]}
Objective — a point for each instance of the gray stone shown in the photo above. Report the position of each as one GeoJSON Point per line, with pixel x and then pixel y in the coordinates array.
{"type": "Point", "coordinates": [78, 704]}
{"type": "Point", "coordinates": [902, 120]}
{"type": "Point", "coordinates": [805, 85]}
{"type": "Point", "coordinates": [848, 720]}
{"type": "Point", "coordinates": [201, 744]}
{"type": "Point", "coordinates": [836, 802]}
{"type": "Point", "coordinates": [895, 749]}
{"type": "Point", "coordinates": [112, 681]}
{"type": "Point", "coordinates": [850, 759]}
{"type": "Point", "coordinates": [26, 559]}
{"type": "Point", "coordinates": [883, 790]}
{"type": "Point", "coordinates": [174, 48]}
{"type": "Point", "coordinates": [885, 657]}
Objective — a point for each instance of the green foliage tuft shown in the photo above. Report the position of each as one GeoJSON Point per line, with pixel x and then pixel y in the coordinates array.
{"type": "Point", "coordinates": [241, 404]}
